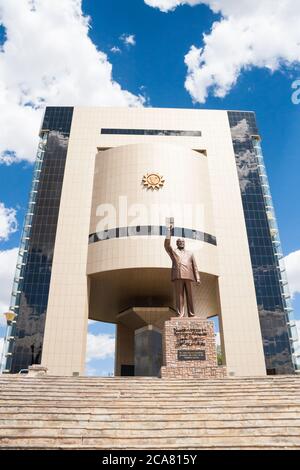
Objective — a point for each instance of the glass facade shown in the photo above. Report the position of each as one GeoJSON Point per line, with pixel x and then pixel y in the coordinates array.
{"type": "Point", "coordinates": [33, 273]}
{"type": "Point", "coordinates": [272, 295]}
{"type": "Point", "coordinates": [151, 230]}
{"type": "Point", "coordinates": [151, 132]}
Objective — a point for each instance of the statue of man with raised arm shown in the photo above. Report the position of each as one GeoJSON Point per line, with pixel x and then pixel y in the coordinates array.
{"type": "Point", "coordinates": [184, 272]}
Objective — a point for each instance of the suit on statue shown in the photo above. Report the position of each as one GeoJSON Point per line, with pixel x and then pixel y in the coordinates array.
{"type": "Point", "coordinates": [184, 272]}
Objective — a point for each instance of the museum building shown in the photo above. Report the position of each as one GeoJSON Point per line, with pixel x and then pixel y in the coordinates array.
{"type": "Point", "coordinates": [104, 182]}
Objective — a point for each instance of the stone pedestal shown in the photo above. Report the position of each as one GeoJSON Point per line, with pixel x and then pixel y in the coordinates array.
{"type": "Point", "coordinates": [147, 351]}
{"type": "Point", "coordinates": [189, 350]}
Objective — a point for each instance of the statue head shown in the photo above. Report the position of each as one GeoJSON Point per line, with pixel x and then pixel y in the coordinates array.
{"type": "Point", "coordinates": [180, 243]}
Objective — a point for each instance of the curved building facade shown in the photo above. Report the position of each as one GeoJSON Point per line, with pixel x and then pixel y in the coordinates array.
{"type": "Point", "coordinates": [124, 172]}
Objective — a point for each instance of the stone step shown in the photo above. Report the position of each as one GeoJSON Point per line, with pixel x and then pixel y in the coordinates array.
{"type": "Point", "coordinates": [141, 387]}
{"type": "Point", "coordinates": [184, 392]}
{"type": "Point", "coordinates": [143, 415]}
{"type": "Point", "coordinates": [154, 387]}
{"type": "Point", "coordinates": [183, 432]}
{"type": "Point", "coordinates": [145, 378]}
{"type": "Point", "coordinates": [159, 383]}
{"type": "Point", "coordinates": [39, 387]}
{"type": "Point", "coordinates": [127, 381]}
{"type": "Point", "coordinates": [147, 415]}
{"type": "Point", "coordinates": [167, 409]}
{"type": "Point", "coordinates": [148, 424]}
{"type": "Point", "coordinates": [153, 391]}
{"type": "Point", "coordinates": [85, 401]}
{"type": "Point", "coordinates": [90, 379]}
{"type": "Point", "coordinates": [148, 397]}
{"type": "Point", "coordinates": [205, 442]}
{"type": "Point", "coordinates": [158, 406]}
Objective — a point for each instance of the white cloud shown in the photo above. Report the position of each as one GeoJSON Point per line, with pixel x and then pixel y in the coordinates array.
{"type": "Point", "coordinates": [48, 59]}
{"type": "Point", "coordinates": [250, 33]}
{"type": "Point", "coordinates": [91, 371]}
{"type": "Point", "coordinates": [240, 132]}
{"type": "Point", "coordinates": [8, 261]}
{"type": "Point", "coordinates": [169, 5]}
{"type": "Point", "coordinates": [292, 264]}
{"type": "Point", "coordinates": [100, 346]}
{"type": "Point", "coordinates": [8, 222]}
{"type": "Point", "coordinates": [115, 49]}
{"type": "Point", "coordinates": [128, 39]}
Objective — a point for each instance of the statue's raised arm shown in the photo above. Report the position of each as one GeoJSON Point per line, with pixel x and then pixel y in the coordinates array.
{"type": "Point", "coordinates": [168, 246]}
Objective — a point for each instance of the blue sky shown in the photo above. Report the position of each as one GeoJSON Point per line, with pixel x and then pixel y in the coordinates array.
{"type": "Point", "coordinates": [152, 65]}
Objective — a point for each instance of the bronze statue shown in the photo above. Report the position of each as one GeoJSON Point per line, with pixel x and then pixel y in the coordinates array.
{"type": "Point", "coordinates": [184, 272]}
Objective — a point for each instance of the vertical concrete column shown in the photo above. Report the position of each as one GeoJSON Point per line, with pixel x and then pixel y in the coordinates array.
{"type": "Point", "coordinates": [124, 348]}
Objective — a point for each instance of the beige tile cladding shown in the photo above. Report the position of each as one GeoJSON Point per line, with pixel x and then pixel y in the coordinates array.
{"type": "Point", "coordinates": [174, 368]}
{"type": "Point", "coordinates": [67, 313]}
{"type": "Point", "coordinates": [119, 172]}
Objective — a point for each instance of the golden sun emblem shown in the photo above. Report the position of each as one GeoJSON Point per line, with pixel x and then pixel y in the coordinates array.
{"type": "Point", "coordinates": [153, 181]}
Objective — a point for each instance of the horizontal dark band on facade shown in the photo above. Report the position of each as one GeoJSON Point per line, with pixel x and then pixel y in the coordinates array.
{"type": "Point", "coordinates": [151, 132]}
{"type": "Point", "coordinates": [151, 230]}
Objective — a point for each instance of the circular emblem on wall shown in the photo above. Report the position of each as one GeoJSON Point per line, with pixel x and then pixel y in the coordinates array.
{"type": "Point", "coordinates": [153, 181]}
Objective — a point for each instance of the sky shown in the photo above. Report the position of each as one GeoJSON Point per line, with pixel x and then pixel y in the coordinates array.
{"type": "Point", "coordinates": [215, 54]}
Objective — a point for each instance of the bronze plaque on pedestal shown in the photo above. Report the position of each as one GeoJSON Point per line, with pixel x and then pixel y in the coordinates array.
{"type": "Point", "coordinates": [191, 355]}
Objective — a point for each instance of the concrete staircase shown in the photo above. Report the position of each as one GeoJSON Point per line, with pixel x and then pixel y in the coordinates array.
{"type": "Point", "coordinates": [148, 413]}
